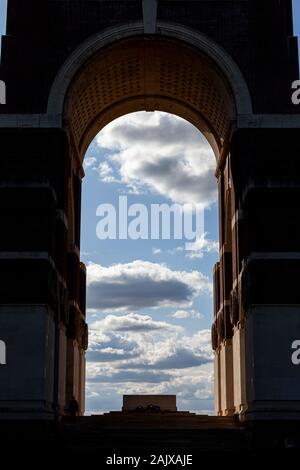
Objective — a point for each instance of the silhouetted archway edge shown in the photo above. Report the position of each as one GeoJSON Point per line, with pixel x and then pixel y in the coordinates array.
{"type": "Point", "coordinates": [121, 70]}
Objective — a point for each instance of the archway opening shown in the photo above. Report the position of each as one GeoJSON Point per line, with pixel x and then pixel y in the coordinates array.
{"type": "Point", "coordinates": [149, 284]}
{"type": "Point", "coordinates": [192, 80]}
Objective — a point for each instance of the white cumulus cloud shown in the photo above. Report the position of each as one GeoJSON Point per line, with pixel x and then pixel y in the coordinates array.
{"type": "Point", "coordinates": [132, 354]}
{"type": "Point", "coordinates": [202, 245]}
{"type": "Point", "coordinates": [132, 322]}
{"type": "Point", "coordinates": [89, 162]}
{"type": "Point", "coordinates": [183, 314]}
{"type": "Point", "coordinates": [142, 284]}
{"type": "Point", "coordinates": [161, 152]}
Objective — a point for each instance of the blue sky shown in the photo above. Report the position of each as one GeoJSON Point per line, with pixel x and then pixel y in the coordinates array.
{"type": "Point", "coordinates": [3, 4]}
{"type": "Point", "coordinates": [149, 301]}
{"type": "Point", "coordinates": [152, 296]}
{"type": "Point", "coordinates": [296, 8]}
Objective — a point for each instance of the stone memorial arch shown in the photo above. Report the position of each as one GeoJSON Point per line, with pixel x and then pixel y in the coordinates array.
{"type": "Point", "coordinates": [70, 68]}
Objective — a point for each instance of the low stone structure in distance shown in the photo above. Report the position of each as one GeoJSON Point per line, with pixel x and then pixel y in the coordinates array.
{"type": "Point", "coordinates": [149, 402]}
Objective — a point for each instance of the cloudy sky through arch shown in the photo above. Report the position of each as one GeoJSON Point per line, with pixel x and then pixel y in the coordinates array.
{"type": "Point", "coordinates": [149, 301]}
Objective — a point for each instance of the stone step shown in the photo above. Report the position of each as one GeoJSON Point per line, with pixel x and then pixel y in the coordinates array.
{"type": "Point", "coordinates": [137, 441]}
{"type": "Point", "coordinates": [133, 420]}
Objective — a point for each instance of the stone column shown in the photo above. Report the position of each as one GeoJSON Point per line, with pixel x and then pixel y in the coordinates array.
{"type": "Point", "coordinates": [35, 290]}
{"type": "Point", "coordinates": [222, 329]}
{"type": "Point", "coordinates": [266, 302]}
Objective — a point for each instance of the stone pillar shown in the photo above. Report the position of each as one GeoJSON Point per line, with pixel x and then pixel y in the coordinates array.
{"type": "Point", "coordinates": [226, 373]}
{"type": "Point", "coordinates": [223, 328]}
{"type": "Point", "coordinates": [35, 288]}
{"type": "Point", "coordinates": [239, 384]}
{"type": "Point", "coordinates": [266, 296]}
{"type": "Point", "coordinates": [215, 339]}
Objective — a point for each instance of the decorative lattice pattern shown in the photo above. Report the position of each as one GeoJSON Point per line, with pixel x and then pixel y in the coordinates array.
{"type": "Point", "coordinates": [153, 70]}
{"type": "Point", "coordinates": [194, 88]}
